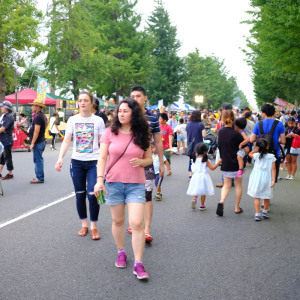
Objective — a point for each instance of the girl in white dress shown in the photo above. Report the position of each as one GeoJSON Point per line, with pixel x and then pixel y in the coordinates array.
{"type": "Point", "coordinates": [262, 178]}
{"type": "Point", "coordinates": [201, 184]}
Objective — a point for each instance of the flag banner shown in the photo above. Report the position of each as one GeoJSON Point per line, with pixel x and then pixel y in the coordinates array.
{"type": "Point", "coordinates": [160, 103]}
{"type": "Point", "coordinates": [41, 89]}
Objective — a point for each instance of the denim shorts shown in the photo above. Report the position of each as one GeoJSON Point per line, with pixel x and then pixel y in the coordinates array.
{"type": "Point", "coordinates": [288, 152]}
{"type": "Point", "coordinates": [118, 193]}
{"type": "Point", "coordinates": [180, 137]}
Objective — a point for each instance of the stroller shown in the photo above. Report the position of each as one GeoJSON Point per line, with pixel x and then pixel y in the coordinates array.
{"type": "Point", "coordinates": [211, 142]}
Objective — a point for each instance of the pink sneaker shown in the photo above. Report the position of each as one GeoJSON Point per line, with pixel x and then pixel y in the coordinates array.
{"type": "Point", "coordinates": [239, 173]}
{"type": "Point", "coordinates": [140, 272]}
{"type": "Point", "coordinates": [121, 260]}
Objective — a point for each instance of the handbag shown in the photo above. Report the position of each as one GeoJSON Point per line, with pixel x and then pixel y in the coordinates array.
{"type": "Point", "coordinates": [295, 148]}
{"type": "Point", "coordinates": [189, 149]}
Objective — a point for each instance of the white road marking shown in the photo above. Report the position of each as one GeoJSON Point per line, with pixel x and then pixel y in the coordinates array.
{"type": "Point", "coordinates": [34, 211]}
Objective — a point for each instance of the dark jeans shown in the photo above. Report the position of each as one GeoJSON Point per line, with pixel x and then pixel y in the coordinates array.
{"type": "Point", "coordinates": [38, 160]}
{"type": "Point", "coordinates": [84, 176]}
{"type": "Point", "coordinates": [6, 158]}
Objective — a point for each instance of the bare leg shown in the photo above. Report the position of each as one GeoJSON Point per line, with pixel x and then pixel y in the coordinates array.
{"type": "Point", "coordinates": [241, 162]}
{"type": "Point", "coordinates": [183, 147]}
{"type": "Point", "coordinates": [148, 215]}
{"type": "Point", "coordinates": [294, 165]}
{"type": "Point", "coordinates": [257, 205]}
{"type": "Point", "coordinates": [225, 189]}
{"type": "Point", "coordinates": [136, 217]}
{"type": "Point", "coordinates": [238, 193]}
{"type": "Point", "coordinates": [289, 164]}
{"type": "Point", "coordinates": [203, 197]}
{"type": "Point", "coordinates": [118, 220]}
{"type": "Point", "coordinates": [266, 204]}
{"type": "Point", "coordinates": [178, 147]}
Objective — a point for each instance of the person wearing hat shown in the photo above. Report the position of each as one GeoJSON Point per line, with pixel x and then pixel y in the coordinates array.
{"type": "Point", "coordinates": [37, 139]}
{"type": "Point", "coordinates": [6, 138]}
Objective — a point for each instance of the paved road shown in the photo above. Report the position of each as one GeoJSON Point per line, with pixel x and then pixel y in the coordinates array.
{"type": "Point", "coordinates": [194, 255]}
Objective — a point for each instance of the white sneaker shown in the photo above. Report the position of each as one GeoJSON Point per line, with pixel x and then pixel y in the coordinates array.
{"type": "Point", "coordinates": [287, 177]}
{"type": "Point", "coordinates": [193, 204]}
{"type": "Point", "coordinates": [292, 177]}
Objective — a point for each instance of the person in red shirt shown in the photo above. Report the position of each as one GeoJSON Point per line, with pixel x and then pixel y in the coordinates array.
{"type": "Point", "coordinates": [167, 137]}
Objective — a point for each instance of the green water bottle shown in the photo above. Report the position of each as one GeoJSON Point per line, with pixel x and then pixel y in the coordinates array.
{"type": "Point", "coordinates": [101, 198]}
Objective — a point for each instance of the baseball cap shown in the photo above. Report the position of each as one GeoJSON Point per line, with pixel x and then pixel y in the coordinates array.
{"type": "Point", "coordinates": [7, 105]}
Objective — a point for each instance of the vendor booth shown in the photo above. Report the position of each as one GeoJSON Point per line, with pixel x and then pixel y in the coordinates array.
{"type": "Point", "coordinates": [24, 97]}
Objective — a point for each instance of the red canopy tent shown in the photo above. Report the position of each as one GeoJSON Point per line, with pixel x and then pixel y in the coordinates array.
{"type": "Point", "coordinates": [27, 96]}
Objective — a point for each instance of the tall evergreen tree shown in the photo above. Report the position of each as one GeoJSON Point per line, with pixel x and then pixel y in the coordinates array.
{"type": "Point", "coordinates": [126, 49]}
{"type": "Point", "coordinates": [72, 55]}
{"type": "Point", "coordinates": [166, 77]}
{"type": "Point", "coordinates": [19, 20]}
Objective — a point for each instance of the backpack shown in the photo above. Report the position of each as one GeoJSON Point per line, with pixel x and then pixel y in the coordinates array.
{"type": "Point", "coordinates": [269, 136]}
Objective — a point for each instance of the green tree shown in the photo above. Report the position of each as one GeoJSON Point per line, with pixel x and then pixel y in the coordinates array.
{"type": "Point", "coordinates": [72, 53]}
{"type": "Point", "coordinates": [275, 49]}
{"type": "Point", "coordinates": [15, 17]}
{"type": "Point", "coordinates": [207, 76]}
{"type": "Point", "coordinates": [166, 76]}
{"type": "Point", "coordinates": [126, 49]}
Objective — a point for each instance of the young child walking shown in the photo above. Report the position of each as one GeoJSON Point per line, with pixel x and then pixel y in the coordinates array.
{"type": "Point", "coordinates": [262, 178]}
{"type": "Point", "coordinates": [158, 180]}
{"type": "Point", "coordinates": [201, 184]}
{"type": "Point", "coordinates": [240, 125]}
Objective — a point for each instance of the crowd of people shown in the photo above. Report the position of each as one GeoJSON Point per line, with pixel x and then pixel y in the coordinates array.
{"type": "Point", "coordinates": [123, 154]}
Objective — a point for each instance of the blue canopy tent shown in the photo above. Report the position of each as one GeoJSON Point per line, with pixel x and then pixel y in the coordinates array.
{"type": "Point", "coordinates": [189, 107]}
{"type": "Point", "coordinates": [153, 107]}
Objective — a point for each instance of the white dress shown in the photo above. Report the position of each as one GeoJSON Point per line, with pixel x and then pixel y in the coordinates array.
{"type": "Point", "coordinates": [261, 177]}
{"type": "Point", "coordinates": [200, 183]}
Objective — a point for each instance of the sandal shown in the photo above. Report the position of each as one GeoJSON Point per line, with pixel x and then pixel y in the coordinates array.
{"type": "Point", "coordinates": [220, 209]}
{"type": "Point", "coordinates": [95, 234]}
{"type": "Point", "coordinates": [148, 238]}
{"type": "Point", "coordinates": [239, 212]}
{"type": "Point", "coordinates": [83, 231]}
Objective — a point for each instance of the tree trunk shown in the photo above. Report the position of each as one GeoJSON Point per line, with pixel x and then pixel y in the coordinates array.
{"type": "Point", "coordinates": [2, 77]}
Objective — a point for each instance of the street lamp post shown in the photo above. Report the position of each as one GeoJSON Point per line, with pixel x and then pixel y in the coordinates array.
{"type": "Point", "coordinates": [199, 99]}
{"type": "Point", "coordinates": [17, 55]}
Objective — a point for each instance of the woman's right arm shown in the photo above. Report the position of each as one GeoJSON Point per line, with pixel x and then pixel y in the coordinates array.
{"type": "Point", "coordinates": [63, 149]}
{"type": "Point", "coordinates": [103, 154]}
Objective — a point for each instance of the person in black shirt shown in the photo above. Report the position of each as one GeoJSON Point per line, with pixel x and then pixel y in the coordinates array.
{"type": "Point", "coordinates": [6, 138]}
{"type": "Point", "coordinates": [229, 141]}
{"type": "Point", "coordinates": [97, 112]}
{"type": "Point", "coordinates": [37, 139]}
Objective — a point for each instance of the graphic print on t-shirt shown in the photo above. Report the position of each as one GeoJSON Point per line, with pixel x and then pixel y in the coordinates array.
{"type": "Point", "coordinates": [84, 137]}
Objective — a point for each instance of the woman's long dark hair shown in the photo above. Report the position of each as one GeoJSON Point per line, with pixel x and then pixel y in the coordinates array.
{"type": "Point", "coordinates": [139, 125]}
{"type": "Point", "coordinates": [263, 145]}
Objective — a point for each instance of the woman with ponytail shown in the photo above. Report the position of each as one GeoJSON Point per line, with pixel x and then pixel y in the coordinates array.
{"type": "Point", "coordinates": [229, 141]}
